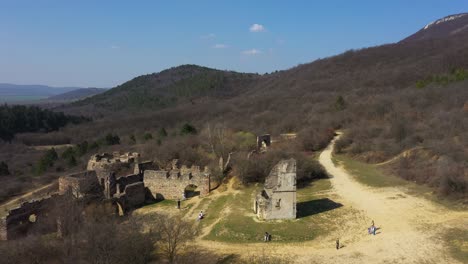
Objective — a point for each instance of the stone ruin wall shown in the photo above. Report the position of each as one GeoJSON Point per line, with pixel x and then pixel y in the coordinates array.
{"type": "Point", "coordinates": [106, 161]}
{"type": "Point", "coordinates": [171, 184]}
{"type": "Point", "coordinates": [133, 195]}
{"type": "Point", "coordinates": [130, 192]}
{"type": "Point", "coordinates": [79, 184]}
{"type": "Point", "coordinates": [278, 198]}
{"type": "Point", "coordinates": [17, 222]}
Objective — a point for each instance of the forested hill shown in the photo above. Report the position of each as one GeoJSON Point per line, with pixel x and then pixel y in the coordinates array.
{"type": "Point", "coordinates": [167, 88]}
{"type": "Point", "coordinates": [20, 119]}
{"type": "Point", "coordinates": [388, 98]}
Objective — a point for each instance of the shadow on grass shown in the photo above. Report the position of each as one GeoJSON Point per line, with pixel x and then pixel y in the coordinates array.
{"type": "Point", "coordinates": [313, 207]}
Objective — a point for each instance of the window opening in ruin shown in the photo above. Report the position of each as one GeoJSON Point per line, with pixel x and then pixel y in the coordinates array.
{"type": "Point", "coordinates": [278, 203]}
{"type": "Point", "coordinates": [32, 218]}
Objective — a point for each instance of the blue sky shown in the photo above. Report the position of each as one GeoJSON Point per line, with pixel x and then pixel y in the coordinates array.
{"type": "Point", "coordinates": [104, 43]}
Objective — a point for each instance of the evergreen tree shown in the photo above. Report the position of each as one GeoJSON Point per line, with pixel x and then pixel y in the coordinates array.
{"type": "Point", "coordinates": [132, 139]}
{"type": "Point", "coordinates": [162, 132]}
{"type": "Point", "coordinates": [188, 129]}
{"type": "Point", "coordinates": [4, 169]}
{"type": "Point", "coordinates": [147, 136]}
{"type": "Point", "coordinates": [112, 139]}
{"type": "Point", "coordinates": [340, 103]}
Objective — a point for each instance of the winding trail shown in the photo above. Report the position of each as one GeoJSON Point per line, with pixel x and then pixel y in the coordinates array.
{"type": "Point", "coordinates": [410, 227]}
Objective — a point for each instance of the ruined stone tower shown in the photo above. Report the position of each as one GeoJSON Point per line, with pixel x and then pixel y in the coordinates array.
{"type": "Point", "coordinates": [278, 198]}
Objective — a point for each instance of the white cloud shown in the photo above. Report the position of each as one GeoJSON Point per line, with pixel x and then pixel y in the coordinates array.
{"type": "Point", "coordinates": [251, 52]}
{"type": "Point", "coordinates": [220, 46]}
{"type": "Point", "coordinates": [114, 47]}
{"type": "Point", "coordinates": [208, 36]}
{"type": "Point", "coordinates": [257, 28]}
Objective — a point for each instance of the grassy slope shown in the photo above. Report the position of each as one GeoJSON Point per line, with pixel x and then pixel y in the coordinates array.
{"type": "Point", "coordinates": [457, 241]}
{"type": "Point", "coordinates": [374, 176]}
{"type": "Point", "coordinates": [316, 216]}
{"type": "Point", "coordinates": [368, 174]}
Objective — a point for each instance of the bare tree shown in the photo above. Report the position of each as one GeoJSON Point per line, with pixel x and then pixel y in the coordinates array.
{"type": "Point", "coordinates": [220, 142]}
{"type": "Point", "coordinates": [173, 234]}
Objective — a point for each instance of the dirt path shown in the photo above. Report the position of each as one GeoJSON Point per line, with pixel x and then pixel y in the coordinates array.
{"type": "Point", "coordinates": [397, 157]}
{"type": "Point", "coordinates": [410, 228]}
{"type": "Point", "coordinates": [37, 193]}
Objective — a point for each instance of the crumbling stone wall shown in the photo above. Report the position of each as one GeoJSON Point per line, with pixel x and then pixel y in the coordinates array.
{"type": "Point", "coordinates": [79, 184]}
{"type": "Point", "coordinates": [171, 184]}
{"type": "Point", "coordinates": [106, 161]}
{"type": "Point", "coordinates": [29, 218]}
{"type": "Point", "coordinates": [122, 182]}
{"type": "Point", "coordinates": [132, 196]}
{"type": "Point", "coordinates": [278, 198]}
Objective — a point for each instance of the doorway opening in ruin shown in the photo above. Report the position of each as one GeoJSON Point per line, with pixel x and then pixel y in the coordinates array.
{"type": "Point", "coordinates": [191, 191]}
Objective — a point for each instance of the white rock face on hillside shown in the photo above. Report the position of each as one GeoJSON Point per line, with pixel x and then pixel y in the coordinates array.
{"type": "Point", "coordinates": [443, 20]}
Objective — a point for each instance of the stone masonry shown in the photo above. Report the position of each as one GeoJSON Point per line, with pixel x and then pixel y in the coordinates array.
{"type": "Point", "coordinates": [79, 184]}
{"type": "Point", "coordinates": [278, 198]}
{"type": "Point", "coordinates": [171, 184]}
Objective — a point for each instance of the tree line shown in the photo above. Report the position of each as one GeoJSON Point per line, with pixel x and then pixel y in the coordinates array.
{"type": "Point", "coordinates": [20, 119]}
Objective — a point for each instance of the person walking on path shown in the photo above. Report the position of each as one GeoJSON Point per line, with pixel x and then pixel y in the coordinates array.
{"type": "Point", "coordinates": [337, 244]}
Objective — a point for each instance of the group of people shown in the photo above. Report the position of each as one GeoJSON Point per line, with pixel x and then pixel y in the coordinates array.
{"type": "Point", "coordinates": [267, 237]}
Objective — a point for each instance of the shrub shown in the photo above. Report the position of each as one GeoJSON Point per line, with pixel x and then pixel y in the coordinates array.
{"type": "Point", "coordinates": [132, 139]}
{"type": "Point", "coordinates": [147, 136]}
{"type": "Point", "coordinates": [46, 161]}
{"type": "Point", "coordinates": [340, 103]}
{"type": "Point", "coordinates": [111, 139]}
{"type": "Point", "coordinates": [162, 132]}
{"type": "Point", "coordinates": [82, 148]}
{"type": "Point", "coordinates": [188, 129]}
{"type": "Point", "coordinates": [4, 169]}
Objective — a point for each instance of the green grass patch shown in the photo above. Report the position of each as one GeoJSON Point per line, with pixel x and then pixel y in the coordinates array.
{"type": "Point", "coordinates": [213, 211]}
{"type": "Point", "coordinates": [457, 242]}
{"type": "Point", "coordinates": [316, 216]}
{"type": "Point", "coordinates": [368, 174]}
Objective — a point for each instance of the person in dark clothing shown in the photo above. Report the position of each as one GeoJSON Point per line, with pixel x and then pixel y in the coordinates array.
{"type": "Point", "coordinates": [266, 238]}
{"type": "Point", "coordinates": [337, 244]}
{"type": "Point", "coordinates": [178, 204]}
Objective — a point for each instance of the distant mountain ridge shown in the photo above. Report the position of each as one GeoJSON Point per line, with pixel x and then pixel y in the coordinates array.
{"type": "Point", "coordinates": [39, 94]}
{"type": "Point", "coordinates": [442, 28]}
{"type": "Point", "coordinates": [8, 89]}
{"type": "Point", "coordinates": [76, 94]}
